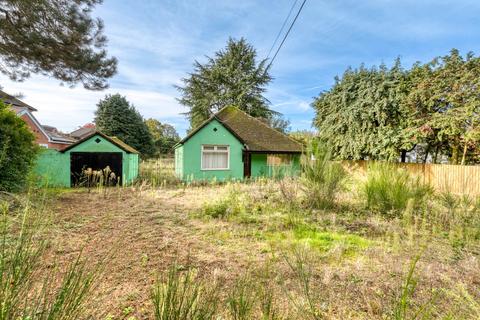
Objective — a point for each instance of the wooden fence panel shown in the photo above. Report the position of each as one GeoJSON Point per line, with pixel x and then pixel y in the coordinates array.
{"type": "Point", "coordinates": [442, 177]}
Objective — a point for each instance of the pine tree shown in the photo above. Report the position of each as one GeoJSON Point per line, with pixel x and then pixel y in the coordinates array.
{"type": "Point", "coordinates": [231, 77]}
{"type": "Point", "coordinates": [115, 116]}
{"type": "Point", "coordinates": [56, 38]}
{"type": "Point", "coordinates": [362, 116]}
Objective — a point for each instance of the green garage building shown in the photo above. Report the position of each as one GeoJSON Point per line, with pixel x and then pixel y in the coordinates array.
{"type": "Point", "coordinates": [234, 145]}
{"type": "Point", "coordinates": [96, 151]}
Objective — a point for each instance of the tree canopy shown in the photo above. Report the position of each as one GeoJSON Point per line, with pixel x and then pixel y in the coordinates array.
{"type": "Point", "coordinates": [232, 77]}
{"type": "Point", "coordinates": [362, 116]}
{"type": "Point", "coordinates": [115, 116]}
{"type": "Point", "coordinates": [55, 38]}
{"type": "Point", "coordinates": [17, 150]}
{"type": "Point", "coordinates": [382, 113]}
{"type": "Point", "coordinates": [164, 136]}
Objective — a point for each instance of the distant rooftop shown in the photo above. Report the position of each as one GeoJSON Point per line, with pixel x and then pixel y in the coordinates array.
{"type": "Point", "coordinates": [56, 135]}
{"type": "Point", "coordinates": [15, 102]}
{"type": "Point", "coordinates": [83, 131]}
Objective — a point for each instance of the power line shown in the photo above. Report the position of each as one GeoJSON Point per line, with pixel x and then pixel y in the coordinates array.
{"type": "Point", "coordinates": [286, 35]}
{"type": "Point", "coordinates": [281, 29]}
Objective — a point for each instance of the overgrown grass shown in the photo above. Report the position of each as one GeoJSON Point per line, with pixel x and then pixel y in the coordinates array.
{"type": "Point", "coordinates": [182, 296]}
{"type": "Point", "coordinates": [158, 172]}
{"type": "Point", "coordinates": [25, 295]}
{"type": "Point", "coordinates": [388, 188]}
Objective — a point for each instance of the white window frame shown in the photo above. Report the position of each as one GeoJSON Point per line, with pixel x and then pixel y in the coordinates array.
{"type": "Point", "coordinates": [215, 151]}
{"type": "Point", "coordinates": [45, 145]}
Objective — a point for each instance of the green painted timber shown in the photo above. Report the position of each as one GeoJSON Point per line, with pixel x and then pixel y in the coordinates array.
{"type": "Point", "coordinates": [53, 167]}
{"type": "Point", "coordinates": [188, 157]}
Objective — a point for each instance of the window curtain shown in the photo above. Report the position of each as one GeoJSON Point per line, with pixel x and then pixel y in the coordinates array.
{"type": "Point", "coordinates": [215, 160]}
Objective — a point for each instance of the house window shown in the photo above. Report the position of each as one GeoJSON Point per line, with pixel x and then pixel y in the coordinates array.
{"type": "Point", "coordinates": [215, 157]}
{"type": "Point", "coordinates": [45, 145]}
{"type": "Point", "coordinates": [279, 159]}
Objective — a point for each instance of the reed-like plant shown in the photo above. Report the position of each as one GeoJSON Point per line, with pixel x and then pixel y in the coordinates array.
{"type": "Point", "coordinates": [405, 307]}
{"type": "Point", "coordinates": [322, 178]}
{"type": "Point", "coordinates": [309, 299]}
{"type": "Point", "coordinates": [25, 295]}
{"type": "Point", "coordinates": [182, 296]}
{"type": "Point", "coordinates": [389, 188]}
{"type": "Point", "coordinates": [241, 299]}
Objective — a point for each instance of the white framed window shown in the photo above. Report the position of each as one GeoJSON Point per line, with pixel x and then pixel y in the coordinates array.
{"type": "Point", "coordinates": [45, 145]}
{"type": "Point", "coordinates": [279, 159]}
{"type": "Point", "coordinates": [215, 157]}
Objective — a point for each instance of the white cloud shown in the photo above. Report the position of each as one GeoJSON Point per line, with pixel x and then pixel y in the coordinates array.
{"type": "Point", "coordinates": [67, 108]}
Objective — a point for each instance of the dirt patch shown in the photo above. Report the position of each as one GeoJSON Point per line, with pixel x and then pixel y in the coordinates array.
{"type": "Point", "coordinates": [136, 235]}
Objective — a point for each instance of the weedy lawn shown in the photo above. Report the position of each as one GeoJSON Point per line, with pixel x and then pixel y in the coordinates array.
{"type": "Point", "coordinates": [266, 249]}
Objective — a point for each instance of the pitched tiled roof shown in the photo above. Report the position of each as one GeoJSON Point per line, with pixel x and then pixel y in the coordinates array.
{"type": "Point", "coordinates": [9, 99]}
{"type": "Point", "coordinates": [82, 132]}
{"type": "Point", "coordinates": [56, 135]}
{"type": "Point", "coordinates": [114, 140]}
{"type": "Point", "coordinates": [253, 133]}
{"type": "Point", "coordinates": [123, 145]}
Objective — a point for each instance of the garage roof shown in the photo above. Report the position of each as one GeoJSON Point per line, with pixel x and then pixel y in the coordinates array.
{"type": "Point", "coordinates": [114, 140]}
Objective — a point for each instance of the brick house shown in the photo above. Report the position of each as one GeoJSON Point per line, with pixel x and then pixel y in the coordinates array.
{"type": "Point", "coordinates": [45, 136]}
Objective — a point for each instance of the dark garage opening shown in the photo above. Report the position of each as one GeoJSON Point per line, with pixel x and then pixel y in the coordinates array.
{"type": "Point", "coordinates": [82, 161]}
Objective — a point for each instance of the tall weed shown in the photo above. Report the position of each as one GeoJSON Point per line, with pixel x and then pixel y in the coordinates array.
{"type": "Point", "coordinates": [322, 178]}
{"type": "Point", "coordinates": [309, 302]}
{"type": "Point", "coordinates": [241, 299]}
{"type": "Point", "coordinates": [388, 189]}
{"type": "Point", "coordinates": [23, 295]}
{"type": "Point", "coordinates": [182, 296]}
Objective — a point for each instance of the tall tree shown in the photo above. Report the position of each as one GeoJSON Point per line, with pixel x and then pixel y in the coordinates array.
{"type": "Point", "coordinates": [17, 150]}
{"type": "Point", "coordinates": [446, 100]}
{"type": "Point", "coordinates": [164, 136]}
{"type": "Point", "coordinates": [58, 38]}
{"type": "Point", "coordinates": [379, 113]}
{"type": "Point", "coordinates": [362, 116]}
{"type": "Point", "coordinates": [278, 122]}
{"type": "Point", "coordinates": [231, 77]}
{"type": "Point", "coordinates": [115, 116]}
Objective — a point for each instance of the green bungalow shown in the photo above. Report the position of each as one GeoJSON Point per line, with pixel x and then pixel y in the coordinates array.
{"type": "Point", "coordinates": [232, 145]}
{"type": "Point", "coordinates": [96, 151]}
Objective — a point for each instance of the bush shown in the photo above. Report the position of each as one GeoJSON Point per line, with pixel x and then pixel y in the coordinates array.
{"type": "Point", "coordinates": [17, 150]}
{"type": "Point", "coordinates": [389, 188]}
{"type": "Point", "coordinates": [322, 178]}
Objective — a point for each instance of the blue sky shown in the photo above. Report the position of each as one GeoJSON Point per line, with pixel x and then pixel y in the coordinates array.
{"type": "Point", "coordinates": [156, 43]}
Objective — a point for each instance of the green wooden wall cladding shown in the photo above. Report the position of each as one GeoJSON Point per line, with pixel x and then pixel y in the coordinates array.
{"type": "Point", "coordinates": [190, 153]}
{"type": "Point", "coordinates": [53, 167]}
{"type": "Point", "coordinates": [188, 157]}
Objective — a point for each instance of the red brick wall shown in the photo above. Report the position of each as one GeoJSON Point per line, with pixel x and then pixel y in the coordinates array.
{"type": "Point", "coordinates": [40, 138]}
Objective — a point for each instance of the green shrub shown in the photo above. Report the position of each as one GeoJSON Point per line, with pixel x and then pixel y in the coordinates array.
{"type": "Point", "coordinates": [182, 296]}
{"type": "Point", "coordinates": [389, 188]}
{"type": "Point", "coordinates": [17, 150]}
{"type": "Point", "coordinates": [322, 178]}
{"type": "Point", "coordinates": [234, 203]}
